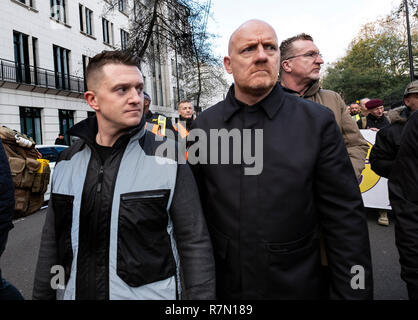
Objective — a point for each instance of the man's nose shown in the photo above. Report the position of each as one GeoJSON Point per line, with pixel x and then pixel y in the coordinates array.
{"type": "Point", "coordinates": [261, 53]}
{"type": "Point", "coordinates": [319, 59]}
{"type": "Point", "coordinates": [135, 96]}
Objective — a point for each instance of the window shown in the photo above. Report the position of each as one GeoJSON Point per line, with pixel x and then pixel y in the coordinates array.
{"type": "Point", "coordinates": [160, 83]}
{"type": "Point", "coordinates": [89, 21]}
{"type": "Point", "coordinates": [30, 123]}
{"type": "Point", "coordinates": [160, 78]}
{"type": "Point", "coordinates": [86, 19]}
{"type": "Point", "coordinates": [26, 58]}
{"type": "Point", "coordinates": [180, 71]}
{"type": "Point", "coordinates": [80, 13]}
{"type": "Point", "coordinates": [173, 68]}
{"type": "Point", "coordinates": [21, 50]}
{"type": "Point", "coordinates": [58, 10]}
{"type": "Point", "coordinates": [61, 64]}
{"type": "Point", "coordinates": [154, 75]}
{"type": "Point", "coordinates": [122, 6]}
{"type": "Point", "coordinates": [35, 58]}
{"type": "Point", "coordinates": [154, 91]}
{"type": "Point", "coordinates": [66, 119]}
{"type": "Point", "coordinates": [176, 97]}
{"type": "Point", "coordinates": [29, 3]}
{"type": "Point", "coordinates": [86, 61]}
{"type": "Point", "coordinates": [107, 31]}
{"type": "Point", "coordinates": [124, 37]}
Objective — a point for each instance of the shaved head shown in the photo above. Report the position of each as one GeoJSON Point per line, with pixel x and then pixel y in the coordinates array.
{"type": "Point", "coordinates": [94, 72]}
{"type": "Point", "coordinates": [245, 26]}
{"type": "Point", "coordinates": [253, 61]}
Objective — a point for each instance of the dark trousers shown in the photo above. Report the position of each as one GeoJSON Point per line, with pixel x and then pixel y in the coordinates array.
{"type": "Point", "coordinates": [325, 283]}
{"type": "Point", "coordinates": [7, 290]}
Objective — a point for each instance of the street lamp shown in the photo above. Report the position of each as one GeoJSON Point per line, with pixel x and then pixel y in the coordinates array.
{"type": "Point", "coordinates": [411, 62]}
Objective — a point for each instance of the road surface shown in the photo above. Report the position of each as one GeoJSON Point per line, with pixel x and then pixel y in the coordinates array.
{"type": "Point", "coordinates": [18, 262]}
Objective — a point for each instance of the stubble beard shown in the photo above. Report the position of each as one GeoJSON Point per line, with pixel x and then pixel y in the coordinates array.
{"type": "Point", "coordinates": [258, 90]}
{"type": "Point", "coordinates": [314, 76]}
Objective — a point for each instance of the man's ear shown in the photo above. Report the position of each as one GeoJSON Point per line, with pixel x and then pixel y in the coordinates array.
{"type": "Point", "coordinates": [286, 66]}
{"type": "Point", "coordinates": [227, 64]}
{"type": "Point", "coordinates": [91, 99]}
{"type": "Point", "coordinates": [406, 101]}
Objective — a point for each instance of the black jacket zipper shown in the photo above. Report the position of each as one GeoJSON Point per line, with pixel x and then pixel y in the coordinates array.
{"type": "Point", "coordinates": [100, 180]}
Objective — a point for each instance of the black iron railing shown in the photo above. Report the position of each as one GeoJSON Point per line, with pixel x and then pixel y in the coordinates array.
{"type": "Point", "coordinates": [11, 71]}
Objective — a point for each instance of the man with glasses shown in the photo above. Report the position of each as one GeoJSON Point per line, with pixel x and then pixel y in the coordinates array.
{"type": "Point", "coordinates": [300, 66]}
{"type": "Point", "coordinates": [299, 74]}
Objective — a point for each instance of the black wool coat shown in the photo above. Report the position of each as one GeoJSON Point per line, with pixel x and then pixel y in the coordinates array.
{"type": "Point", "coordinates": [403, 195]}
{"type": "Point", "coordinates": [265, 227]}
{"type": "Point", "coordinates": [7, 200]}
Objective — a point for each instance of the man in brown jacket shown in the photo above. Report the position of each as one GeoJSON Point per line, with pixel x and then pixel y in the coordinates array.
{"type": "Point", "coordinates": [299, 75]}
{"type": "Point", "coordinates": [300, 64]}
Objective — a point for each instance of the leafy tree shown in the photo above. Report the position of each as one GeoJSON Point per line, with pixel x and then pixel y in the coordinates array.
{"type": "Point", "coordinates": [377, 62]}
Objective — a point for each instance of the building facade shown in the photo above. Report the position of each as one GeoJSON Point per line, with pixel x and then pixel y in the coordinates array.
{"type": "Point", "coordinates": [45, 46]}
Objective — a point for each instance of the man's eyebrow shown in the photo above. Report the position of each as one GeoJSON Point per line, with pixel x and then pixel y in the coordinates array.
{"type": "Point", "coordinates": [128, 84]}
{"type": "Point", "coordinates": [249, 42]}
{"type": "Point", "coordinates": [257, 41]}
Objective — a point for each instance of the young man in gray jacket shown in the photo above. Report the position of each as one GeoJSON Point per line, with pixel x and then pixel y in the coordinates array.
{"type": "Point", "coordinates": [123, 222]}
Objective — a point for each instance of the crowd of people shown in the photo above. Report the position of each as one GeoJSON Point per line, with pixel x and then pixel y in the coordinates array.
{"type": "Point", "coordinates": [370, 114]}
{"type": "Point", "coordinates": [123, 224]}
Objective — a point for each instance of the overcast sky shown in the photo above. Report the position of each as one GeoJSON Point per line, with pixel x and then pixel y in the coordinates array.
{"type": "Point", "coordinates": [332, 23]}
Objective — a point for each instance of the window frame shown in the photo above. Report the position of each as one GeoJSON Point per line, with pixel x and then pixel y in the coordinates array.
{"type": "Point", "coordinates": [30, 4]}
{"type": "Point", "coordinates": [56, 13]}
{"type": "Point", "coordinates": [107, 29]}
{"type": "Point", "coordinates": [122, 5]}
{"type": "Point", "coordinates": [64, 114]}
{"type": "Point", "coordinates": [61, 67]}
{"type": "Point", "coordinates": [89, 21]}
{"type": "Point", "coordinates": [31, 114]}
{"type": "Point", "coordinates": [124, 39]}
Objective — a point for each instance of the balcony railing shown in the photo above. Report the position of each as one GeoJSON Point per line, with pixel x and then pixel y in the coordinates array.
{"type": "Point", "coordinates": [13, 72]}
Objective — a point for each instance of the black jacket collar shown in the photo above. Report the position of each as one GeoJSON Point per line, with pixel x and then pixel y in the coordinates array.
{"type": "Point", "coordinates": [312, 90]}
{"type": "Point", "coordinates": [149, 115]}
{"type": "Point", "coordinates": [295, 93]}
{"type": "Point", "coordinates": [87, 130]}
{"type": "Point", "coordinates": [270, 104]}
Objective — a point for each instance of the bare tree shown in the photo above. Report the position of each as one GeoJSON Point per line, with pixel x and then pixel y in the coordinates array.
{"type": "Point", "coordinates": [179, 26]}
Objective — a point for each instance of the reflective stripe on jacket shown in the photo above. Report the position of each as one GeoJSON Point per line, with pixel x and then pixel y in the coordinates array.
{"type": "Point", "coordinates": [180, 128]}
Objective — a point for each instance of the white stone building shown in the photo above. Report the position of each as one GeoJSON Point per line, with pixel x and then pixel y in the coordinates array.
{"type": "Point", "coordinates": [44, 49]}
